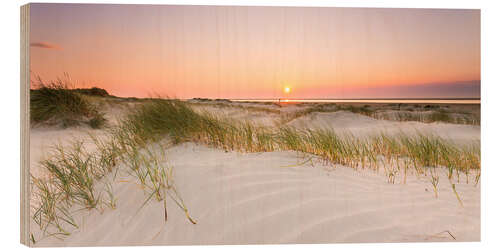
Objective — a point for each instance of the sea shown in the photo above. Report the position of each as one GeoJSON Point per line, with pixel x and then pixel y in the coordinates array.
{"type": "Point", "coordinates": [429, 101]}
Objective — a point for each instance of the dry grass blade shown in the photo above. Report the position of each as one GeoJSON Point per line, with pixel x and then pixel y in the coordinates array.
{"type": "Point", "coordinates": [456, 194]}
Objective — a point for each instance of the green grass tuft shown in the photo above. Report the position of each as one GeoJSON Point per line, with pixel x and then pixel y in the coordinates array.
{"type": "Point", "coordinates": [56, 103]}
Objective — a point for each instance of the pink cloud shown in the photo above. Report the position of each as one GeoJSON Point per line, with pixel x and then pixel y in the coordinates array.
{"type": "Point", "coordinates": [46, 45]}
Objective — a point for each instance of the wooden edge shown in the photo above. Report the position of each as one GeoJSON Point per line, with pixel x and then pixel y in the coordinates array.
{"type": "Point", "coordinates": [25, 138]}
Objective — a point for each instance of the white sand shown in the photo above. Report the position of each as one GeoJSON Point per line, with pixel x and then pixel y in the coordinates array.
{"type": "Point", "coordinates": [361, 125]}
{"type": "Point", "coordinates": [43, 140]}
{"type": "Point", "coordinates": [258, 118]}
{"type": "Point", "coordinates": [253, 199]}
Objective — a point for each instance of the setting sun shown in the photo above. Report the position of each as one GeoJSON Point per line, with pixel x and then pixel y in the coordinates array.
{"type": "Point", "coordinates": [287, 90]}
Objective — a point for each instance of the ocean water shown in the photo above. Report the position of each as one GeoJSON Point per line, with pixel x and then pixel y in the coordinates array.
{"type": "Point", "coordinates": [449, 101]}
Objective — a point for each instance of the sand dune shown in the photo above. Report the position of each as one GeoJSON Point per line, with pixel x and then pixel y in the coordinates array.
{"type": "Point", "coordinates": [345, 122]}
{"type": "Point", "coordinates": [254, 199]}
{"type": "Point", "coordinates": [42, 141]}
{"type": "Point", "coordinates": [361, 125]}
{"type": "Point", "coordinates": [241, 114]}
{"type": "Point", "coordinates": [269, 198]}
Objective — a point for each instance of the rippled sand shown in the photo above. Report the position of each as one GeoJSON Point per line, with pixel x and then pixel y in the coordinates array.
{"type": "Point", "coordinates": [258, 198]}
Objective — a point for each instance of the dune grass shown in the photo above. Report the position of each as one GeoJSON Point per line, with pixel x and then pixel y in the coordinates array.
{"type": "Point", "coordinates": [429, 116]}
{"type": "Point", "coordinates": [262, 107]}
{"type": "Point", "coordinates": [55, 103]}
{"type": "Point", "coordinates": [397, 155]}
{"type": "Point", "coordinates": [138, 145]}
{"type": "Point", "coordinates": [76, 180]}
{"type": "Point", "coordinates": [71, 184]}
{"type": "Point", "coordinates": [180, 122]}
{"type": "Point", "coordinates": [425, 115]}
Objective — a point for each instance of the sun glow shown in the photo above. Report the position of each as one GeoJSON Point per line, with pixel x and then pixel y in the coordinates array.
{"type": "Point", "coordinates": [287, 90]}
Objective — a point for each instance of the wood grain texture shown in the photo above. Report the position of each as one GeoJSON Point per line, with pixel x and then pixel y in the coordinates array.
{"type": "Point", "coordinates": [25, 138]}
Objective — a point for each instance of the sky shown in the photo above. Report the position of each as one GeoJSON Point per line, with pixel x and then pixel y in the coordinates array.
{"type": "Point", "coordinates": [257, 52]}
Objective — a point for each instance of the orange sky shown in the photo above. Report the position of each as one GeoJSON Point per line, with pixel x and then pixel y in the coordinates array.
{"type": "Point", "coordinates": [254, 52]}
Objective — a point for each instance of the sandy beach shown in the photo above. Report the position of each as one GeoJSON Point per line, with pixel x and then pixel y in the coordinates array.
{"type": "Point", "coordinates": [274, 197]}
